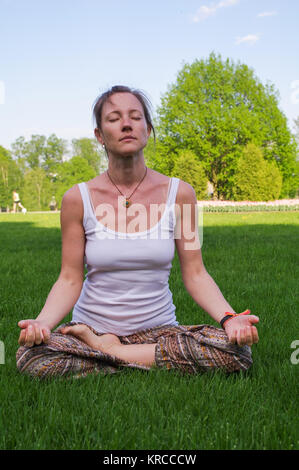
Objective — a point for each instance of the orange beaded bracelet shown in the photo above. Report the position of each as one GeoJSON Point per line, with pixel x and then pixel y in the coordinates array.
{"type": "Point", "coordinates": [229, 315]}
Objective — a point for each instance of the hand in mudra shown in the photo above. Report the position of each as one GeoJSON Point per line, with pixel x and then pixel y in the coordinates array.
{"type": "Point", "coordinates": [241, 330]}
{"type": "Point", "coordinates": [33, 332]}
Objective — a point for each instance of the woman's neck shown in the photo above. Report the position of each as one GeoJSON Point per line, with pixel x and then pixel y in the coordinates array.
{"type": "Point", "coordinates": [126, 170]}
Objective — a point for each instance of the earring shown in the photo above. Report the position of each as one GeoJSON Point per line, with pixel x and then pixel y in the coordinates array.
{"type": "Point", "coordinates": [103, 146]}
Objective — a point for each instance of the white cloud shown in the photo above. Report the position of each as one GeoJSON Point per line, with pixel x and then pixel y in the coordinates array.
{"type": "Point", "coordinates": [267, 13]}
{"type": "Point", "coordinates": [203, 13]}
{"type": "Point", "coordinates": [227, 3]}
{"type": "Point", "coordinates": [250, 39]}
{"type": "Point", "coordinates": [208, 10]}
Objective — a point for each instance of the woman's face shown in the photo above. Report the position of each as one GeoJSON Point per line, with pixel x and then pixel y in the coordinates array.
{"type": "Point", "coordinates": [124, 130]}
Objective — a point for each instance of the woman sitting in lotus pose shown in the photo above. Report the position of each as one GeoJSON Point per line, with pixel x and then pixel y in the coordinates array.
{"type": "Point", "coordinates": [123, 313]}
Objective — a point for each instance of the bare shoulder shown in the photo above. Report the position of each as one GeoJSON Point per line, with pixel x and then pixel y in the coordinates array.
{"type": "Point", "coordinates": [72, 202]}
{"type": "Point", "coordinates": [186, 193]}
{"type": "Point", "coordinates": [159, 178]}
{"type": "Point", "coordinates": [96, 182]}
{"type": "Point", "coordinates": [72, 195]}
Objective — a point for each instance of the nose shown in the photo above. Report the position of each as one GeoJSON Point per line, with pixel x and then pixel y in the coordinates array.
{"type": "Point", "coordinates": [126, 127]}
{"type": "Point", "coordinates": [126, 123]}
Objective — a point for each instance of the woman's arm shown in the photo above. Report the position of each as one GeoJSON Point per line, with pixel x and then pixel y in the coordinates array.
{"type": "Point", "coordinates": [197, 280]}
{"type": "Point", "coordinates": [67, 288]}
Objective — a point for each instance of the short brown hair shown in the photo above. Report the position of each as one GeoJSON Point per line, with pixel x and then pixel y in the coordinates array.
{"type": "Point", "coordinates": [101, 100]}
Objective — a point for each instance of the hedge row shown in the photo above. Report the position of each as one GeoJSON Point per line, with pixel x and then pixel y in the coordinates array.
{"type": "Point", "coordinates": [250, 208]}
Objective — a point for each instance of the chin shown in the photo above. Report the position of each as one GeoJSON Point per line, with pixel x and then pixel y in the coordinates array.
{"type": "Point", "coordinates": [130, 152]}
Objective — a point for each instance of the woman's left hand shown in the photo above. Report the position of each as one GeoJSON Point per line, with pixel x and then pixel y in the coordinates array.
{"type": "Point", "coordinates": [241, 329]}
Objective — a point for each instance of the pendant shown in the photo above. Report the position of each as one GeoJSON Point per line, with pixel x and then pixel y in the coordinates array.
{"type": "Point", "coordinates": [127, 203]}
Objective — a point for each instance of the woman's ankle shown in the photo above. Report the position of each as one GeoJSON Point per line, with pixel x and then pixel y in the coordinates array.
{"type": "Point", "coordinates": [137, 353]}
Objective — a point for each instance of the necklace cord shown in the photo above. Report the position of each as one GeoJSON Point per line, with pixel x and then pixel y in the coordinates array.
{"type": "Point", "coordinates": [127, 198]}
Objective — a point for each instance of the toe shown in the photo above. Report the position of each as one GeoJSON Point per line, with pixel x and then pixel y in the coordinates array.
{"type": "Point", "coordinates": [64, 330]}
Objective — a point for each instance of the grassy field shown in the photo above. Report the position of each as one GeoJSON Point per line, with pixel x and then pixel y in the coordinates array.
{"type": "Point", "coordinates": [254, 260]}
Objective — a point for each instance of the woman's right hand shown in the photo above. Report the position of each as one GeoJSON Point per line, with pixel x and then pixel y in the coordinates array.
{"type": "Point", "coordinates": [33, 332]}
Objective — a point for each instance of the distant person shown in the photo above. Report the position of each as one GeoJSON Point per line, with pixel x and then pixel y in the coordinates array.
{"type": "Point", "coordinates": [17, 202]}
{"type": "Point", "coordinates": [53, 204]}
{"type": "Point", "coordinates": [123, 312]}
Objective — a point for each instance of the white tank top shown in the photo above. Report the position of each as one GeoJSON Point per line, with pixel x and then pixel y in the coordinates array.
{"type": "Point", "coordinates": [126, 285]}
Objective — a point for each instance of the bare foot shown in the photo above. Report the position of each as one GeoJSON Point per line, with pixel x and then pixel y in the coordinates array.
{"type": "Point", "coordinates": [103, 343]}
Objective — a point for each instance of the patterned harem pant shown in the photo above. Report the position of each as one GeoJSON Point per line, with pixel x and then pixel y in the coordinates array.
{"type": "Point", "coordinates": [190, 349]}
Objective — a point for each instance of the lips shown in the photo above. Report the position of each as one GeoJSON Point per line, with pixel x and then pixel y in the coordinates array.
{"type": "Point", "coordinates": [128, 137]}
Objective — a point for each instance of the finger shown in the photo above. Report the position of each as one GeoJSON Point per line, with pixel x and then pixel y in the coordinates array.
{"type": "Point", "coordinates": [37, 334]}
{"type": "Point", "coordinates": [29, 336]}
{"type": "Point", "coordinates": [253, 319]}
{"type": "Point", "coordinates": [23, 323]}
{"type": "Point", "coordinates": [46, 335]}
{"type": "Point", "coordinates": [255, 336]}
{"type": "Point", "coordinates": [233, 337]}
{"type": "Point", "coordinates": [240, 337]}
{"type": "Point", "coordinates": [248, 336]}
{"type": "Point", "coordinates": [22, 338]}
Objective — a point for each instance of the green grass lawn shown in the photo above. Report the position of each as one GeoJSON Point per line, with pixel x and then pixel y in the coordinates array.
{"type": "Point", "coordinates": [253, 258]}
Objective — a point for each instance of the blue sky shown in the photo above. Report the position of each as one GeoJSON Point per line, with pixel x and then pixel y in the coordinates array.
{"type": "Point", "coordinates": [56, 56]}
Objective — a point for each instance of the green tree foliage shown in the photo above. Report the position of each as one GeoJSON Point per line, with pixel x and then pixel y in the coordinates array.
{"type": "Point", "coordinates": [91, 151]}
{"type": "Point", "coordinates": [150, 153]}
{"type": "Point", "coordinates": [189, 169]}
{"type": "Point", "coordinates": [37, 190]}
{"type": "Point", "coordinates": [40, 152]}
{"type": "Point", "coordinates": [255, 178]}
{"type": "Point", "coordinates": [10, 177]}
{"type": "Point", "coordinates": [41, 160]}
{"type": "Point", "coordinates": [18, 152]}
{"type": "Point", "coordinates": [296, 172]}
{"type": "Point", "coordinates": [29, 154]}
{"type": "Point", "coordinates": [296, 135]}
{"type": "Point", "coordinates": [53, 153]}
{"type": "Point", "coordinates": [75, 170]}
{"type": "Point", "coordinates": [215, 108]}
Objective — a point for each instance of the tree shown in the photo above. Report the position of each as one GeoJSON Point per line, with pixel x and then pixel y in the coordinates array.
{"type": "Point", "coordinates": [188, 168]}
{"type": "Point", "coordinates": [296, 172]}
{"type": "Point", "coordinates": [215, 108]}
{"type": "Point", "coordinates": [18, 152]}
{"type": "Point", "coordinates": [150, 153]}
{"type": "Point", "coordinates": [90, 150]}
{"type": "Point", "coordinates": [255, 178]}
{"type": "Point", "coordinates": [10, 177]}
{"type": "Point", "coordinates": [37, 190]}
{"type": "Point", "coordinates": [53, 153]}
{"type": "Point", "coordinates": [296, 135]}
{"type": "Point", "coordinates": [40, 152]}
{"type": "Point", "coordinates": [75, 170]}
{"type": "Point", "coordinates": [29, 153]}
